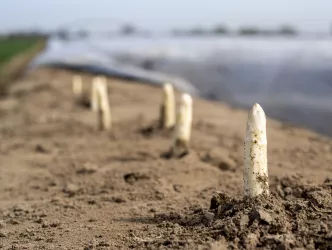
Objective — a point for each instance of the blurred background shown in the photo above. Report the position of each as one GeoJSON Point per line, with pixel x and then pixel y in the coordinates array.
{"type": "Point", "coordinates": [277, 53]}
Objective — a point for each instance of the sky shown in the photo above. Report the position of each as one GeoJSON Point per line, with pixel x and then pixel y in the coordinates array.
{"type": "Point", "coordinates": [155, 15]}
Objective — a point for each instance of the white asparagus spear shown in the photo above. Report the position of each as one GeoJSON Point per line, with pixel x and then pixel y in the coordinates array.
{"type": "Point", "coordinates": [167, 114]}
{"type": "Point", "coordinates": [94, 93]}
{"type": "Point", "coordinates": [255, 174]}
{"type": "Point", "coordinates": [77, 86]}
{"type": "Point", "coordinates": [183, 121]}
{"type": "Point", "coordinates": [104, 110]}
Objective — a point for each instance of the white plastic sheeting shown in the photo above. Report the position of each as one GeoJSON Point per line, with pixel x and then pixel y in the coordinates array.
{"type": "Point", "coordinates": [81, 56]}
{"type": "Point", "coordinates": [290, 78]}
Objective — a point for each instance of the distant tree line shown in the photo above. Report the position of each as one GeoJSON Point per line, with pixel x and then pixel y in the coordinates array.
{"type": "Point", "coordinates": [124, 30]}
{"type": "Point", "coordinates": [24, 34]}
{"type": "Point", "coordinates": [218, 30]}
{"type": "Point", "coordinates": [131, 30]}
{"type": "Point", "coordinates": [284, 30]}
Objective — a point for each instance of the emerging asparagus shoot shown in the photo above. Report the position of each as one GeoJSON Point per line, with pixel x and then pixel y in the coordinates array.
{"type": "Point", "coordinates": [255, 174]}
{"type": "Point", "coordinates": [103, 107]}
{"type": "Point", "coordinates": [183, 126]}
{"type": "Point", "coordinates": [94, 92]}
{"type": "Point", "coordinates": [167, 109]}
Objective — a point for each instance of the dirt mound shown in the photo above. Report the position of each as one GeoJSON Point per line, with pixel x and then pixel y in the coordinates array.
{"type": "Point", "coordinates": [296, 216]}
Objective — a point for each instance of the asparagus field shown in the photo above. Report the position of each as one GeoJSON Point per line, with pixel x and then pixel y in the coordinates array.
{"type": "Point", "coordinates": [67, 184]}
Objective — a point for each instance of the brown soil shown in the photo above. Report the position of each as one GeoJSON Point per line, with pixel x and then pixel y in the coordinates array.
{"type": "Point", "coordinates": [65, 185]}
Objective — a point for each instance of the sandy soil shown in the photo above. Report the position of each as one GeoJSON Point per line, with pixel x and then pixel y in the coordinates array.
{"type": "Point", "coordinates": [65, 185]}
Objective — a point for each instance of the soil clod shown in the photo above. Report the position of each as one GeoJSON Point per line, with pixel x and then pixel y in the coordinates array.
{"type": "Point", "coordinates": [131, 178]}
